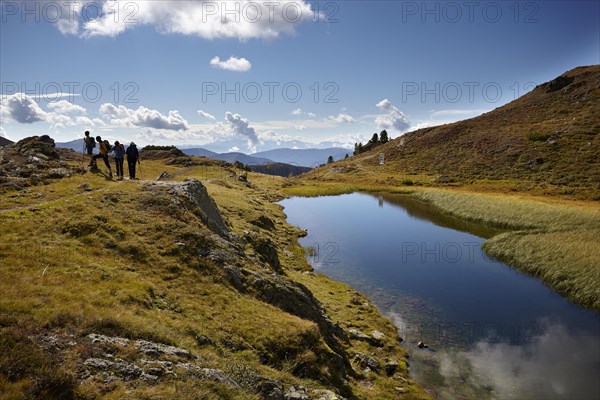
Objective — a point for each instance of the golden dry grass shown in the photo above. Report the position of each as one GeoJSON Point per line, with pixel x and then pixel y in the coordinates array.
{"type": "Point", "coordinates": [85, 254]}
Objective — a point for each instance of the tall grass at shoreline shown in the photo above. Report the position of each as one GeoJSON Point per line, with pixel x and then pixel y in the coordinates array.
{"type": "Point", "coordinates": [554, 240]}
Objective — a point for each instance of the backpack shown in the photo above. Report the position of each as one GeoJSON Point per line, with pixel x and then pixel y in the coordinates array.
{"type": "Point", "coordinates": [108, 146]}
{"type": "Point", "coordinates": [90, 142]}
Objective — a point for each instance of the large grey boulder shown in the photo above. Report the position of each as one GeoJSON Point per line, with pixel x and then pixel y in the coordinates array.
{"type": "Point", "coordinates": [196, 195]}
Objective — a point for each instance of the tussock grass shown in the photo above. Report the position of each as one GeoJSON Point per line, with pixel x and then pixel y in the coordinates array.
{"type": "Point", "coordinates": [513, 212]}
{"type": "Point", "coordinates": [555, 241]}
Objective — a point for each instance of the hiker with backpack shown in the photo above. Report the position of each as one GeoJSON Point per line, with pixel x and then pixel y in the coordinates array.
{"type": "Point", "coordinates": [119, 152]}
{"type": "Point", "coordinates": [105, 148]}
{"type": "Point", "coordinates": [90, 143]}
{"type": "Point", "coordinates": [133, 156]}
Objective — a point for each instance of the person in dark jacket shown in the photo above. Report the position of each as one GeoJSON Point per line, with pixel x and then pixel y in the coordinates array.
{"type": "Point", "coordinates": [133, 157]}
{"type": "Point", "coordinates": [119, 152]}
{"type": "Point", "coordinates": [89, 143]}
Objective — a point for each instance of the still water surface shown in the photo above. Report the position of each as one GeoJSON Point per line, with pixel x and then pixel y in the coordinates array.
{"type": "Point", "coordinates": [492, 331]}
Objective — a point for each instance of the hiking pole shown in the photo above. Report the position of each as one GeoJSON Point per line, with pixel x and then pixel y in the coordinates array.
{"type": "Point", "coordinates": [82, 154]}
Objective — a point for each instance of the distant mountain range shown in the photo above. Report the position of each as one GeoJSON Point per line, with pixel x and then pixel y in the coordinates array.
{"type": "Point", "coordinates": [295, 157]}
{"type": "Point", "coordinates": [5, 141]}
{"type": "Point", "coordinates": [229, 157]}
{"type": "Point", "coordinates": [76, 145]}
{"type": "Point", "coordinates": [304, 157]}
{"type": "Point", "coordinates": [298, 157]}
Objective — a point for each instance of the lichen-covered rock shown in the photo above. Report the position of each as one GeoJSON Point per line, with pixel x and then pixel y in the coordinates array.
{"type": "Point", "coordinates": [358, 335]}
{"type": "Point", "coordinates": [377, 338]}
{"type": "Point", "coordinates": [322, 394]}
{"type": "Point", "coordinates": [98, 338]}
{"type": "Point", "coordinates": [37, 146]}
{"type": "Point", "coordinates": [156, 349]}
{"type": "Point", "coordinates": [117, 367]}
{"type": "Point", "coordinates": [203, 205]}
{"type": "Point", "coordinates": [294, 393]}
{"type": "Point", "coordinates": [364, 361]}
{"type": "Point", "coordinates": [58, 173]}
{"type": "Point", "coordinates": [270, 389]}
{"type": "Point", "coordinates": [143, 346]}
{"type": "Point", "coordinates": [391, 366]}
{"type": "Point", "coordinates": [219, 376]}
{"type": "Point", "coordinates": [55, 342]}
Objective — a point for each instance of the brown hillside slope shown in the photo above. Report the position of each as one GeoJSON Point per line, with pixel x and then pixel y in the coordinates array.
{"type": "Point", "coordinates": [548, 138]}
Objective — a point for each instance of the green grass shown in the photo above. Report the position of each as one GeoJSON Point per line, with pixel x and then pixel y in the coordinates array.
{"type": "Point", "coordinates": [106, 257]}
{"type": "Point", "coordinates": [537, 136]}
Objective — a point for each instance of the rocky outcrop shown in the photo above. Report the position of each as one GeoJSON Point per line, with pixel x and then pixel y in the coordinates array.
{"type": "Point", "coordinates": [143, 346]}
{"type": "Point", "coordinates": [31, 161]}
{"type": "Point", "coordinates": [264, 222]}
{"type": "Point", "coordinates": [296, 299]}
{"type": "Point", "coordinates": [376, 339]}
{"type": "Point", "coordinates": [266, 250]}
{"type": "Point", "coordinates": [117, 359]}
{"type": "Point", "coordinates": [267, 283]}
{"type": "Point", "coordinates": [367, 363]}
{"type": "Point", "coordinates": [558, 83]}
{"type": "Point", "coordinates": [42, 147]}
{"type": "Point", "coordinates": [195, 194]}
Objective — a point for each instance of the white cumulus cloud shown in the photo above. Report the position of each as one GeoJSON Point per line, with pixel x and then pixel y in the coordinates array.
{"type": "Point", "coordinates": [208, 19]}
{"type": "Point", "coordinates": [241, 126]}
{"type": "Point", "coordinates": [206, 115]}
{"type": "Point", "coordinates": [66, 107]}
{"type": "Point", "coordinates": [299, 111]}
{"type": "Point", "coordinates": [232, 64]}
{"type": "Point", "coordinates": [394, 118]}
{"type": "Point", "coordinates": [143, 117]}
{"type": "Point", "coordinates": [342, 118]}
{"type": "Point", "coordinates": [22, 108]}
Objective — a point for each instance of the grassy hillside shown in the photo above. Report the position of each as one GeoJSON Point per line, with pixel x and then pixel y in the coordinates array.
{"type": "Point", "coordinates": [531, 167]}
{"type": "Point", "coordinates": [546, 142]}
{"type": "Point", "coordinates": [173, 289]}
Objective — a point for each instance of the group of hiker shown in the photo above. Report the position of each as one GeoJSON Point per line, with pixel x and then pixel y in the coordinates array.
{"type": "Point", "coordinates": [119, 152]}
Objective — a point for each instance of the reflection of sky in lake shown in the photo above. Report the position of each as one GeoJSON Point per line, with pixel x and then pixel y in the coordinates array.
{"type": "Point", "coordinates": [488, 320]}
{"type": "Point", "coordinates": [542, 366]}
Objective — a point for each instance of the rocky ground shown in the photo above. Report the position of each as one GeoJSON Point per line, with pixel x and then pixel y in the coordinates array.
{"type": "Point", "coordinates": [33, 161]}
{"type": "Point", "coordinates": [196, 289]}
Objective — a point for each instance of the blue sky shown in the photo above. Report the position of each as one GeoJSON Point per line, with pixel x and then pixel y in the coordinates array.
{"type": "Point", "coordinates": [300, 73]}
